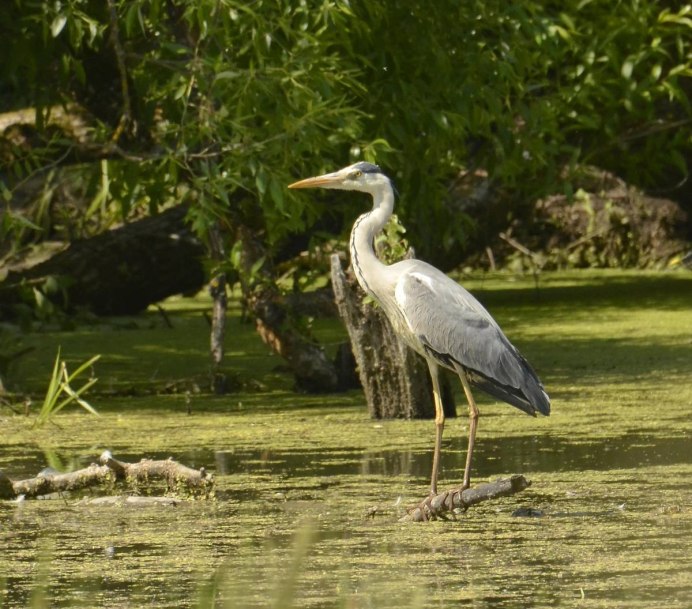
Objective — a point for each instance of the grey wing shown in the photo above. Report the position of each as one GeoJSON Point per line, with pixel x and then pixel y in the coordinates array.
{"type": "Point", "coordinates": [451, 326]}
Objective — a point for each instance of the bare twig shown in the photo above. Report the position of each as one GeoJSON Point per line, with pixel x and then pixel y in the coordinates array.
{"type": "Point", "coordinates": [165, 316]}
{"type": "Point", "coordinates": [126, 116]}
{"type": "Point", "coordinates": [517, 246]}
{"type": "Point", "coordinates": [536, 260]}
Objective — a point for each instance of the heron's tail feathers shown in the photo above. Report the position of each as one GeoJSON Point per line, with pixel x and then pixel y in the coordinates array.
{"type": "Point", "coordinates": [530, 397]}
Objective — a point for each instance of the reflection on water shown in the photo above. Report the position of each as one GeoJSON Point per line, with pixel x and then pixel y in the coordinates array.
{"type": "Point", "coordinates": [491, 457]}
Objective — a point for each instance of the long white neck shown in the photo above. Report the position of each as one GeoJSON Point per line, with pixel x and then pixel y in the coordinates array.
{"type": "Point", "coordinates": [368, 268]}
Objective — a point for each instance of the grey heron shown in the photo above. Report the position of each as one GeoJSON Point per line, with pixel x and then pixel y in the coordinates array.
{"type": "Point", "coordinates": [434, 315]}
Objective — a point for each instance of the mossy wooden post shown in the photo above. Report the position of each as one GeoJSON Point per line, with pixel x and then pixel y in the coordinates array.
{"type": "Point", "coordinates": [395, 379]}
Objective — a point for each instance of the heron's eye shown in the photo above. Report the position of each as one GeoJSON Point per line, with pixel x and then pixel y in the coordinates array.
{"type": "Point", "coordinates": [357, 173]}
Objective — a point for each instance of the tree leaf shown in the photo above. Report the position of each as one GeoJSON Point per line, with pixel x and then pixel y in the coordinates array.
{"type": "Point", "coordinates": [226, 74]}
{"type": "Point", "coordinates": [627, 68]}
{"type": "Point", "coordinates": [58, 24]}
{"type": "Point", "coordinates": [261, 181]}
{"type": "Point", "coordinates": [276, 190]}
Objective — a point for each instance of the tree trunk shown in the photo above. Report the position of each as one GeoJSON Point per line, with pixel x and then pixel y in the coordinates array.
{"type": "Point", "coordinates": [217, 290]}
{"type": "Point", "coordinates": [395, 379]}
{"type": "Point", "coordinates": [118, 272]}
{"type": "Point", "coordinates": [276, 324]}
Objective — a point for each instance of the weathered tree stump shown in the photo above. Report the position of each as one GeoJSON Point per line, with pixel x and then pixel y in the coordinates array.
{"type": "Point", "coordinates": [178, 478]}
{"type": "Point", "coordinates": [395, 379]}
{"type": "Point", "coordinates": [444, 504]}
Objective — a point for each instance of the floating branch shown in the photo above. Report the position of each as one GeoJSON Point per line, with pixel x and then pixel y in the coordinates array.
{"type": "Point", "coordinates": [178, 478]}
{"type": "Point", "coordinates": [444, 504]}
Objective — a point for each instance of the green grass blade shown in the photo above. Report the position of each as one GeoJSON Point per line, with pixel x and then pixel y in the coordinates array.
{"type": "Point", "coordinates": [75, 396]}
{"type": "Point", "coordinates": [52, 392]}
{"type": "Point", "coordinates": [60, 385]}
{"type": "Point", "coordinates": [83, 367]}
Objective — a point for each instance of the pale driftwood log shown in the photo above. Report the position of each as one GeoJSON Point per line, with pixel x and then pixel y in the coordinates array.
{"type": "Point", "coordinates": [178, 478]}
{"type": "Point", "coordinates": [444, 504]}
{"type": "Point", "coordinates": [395, 379]}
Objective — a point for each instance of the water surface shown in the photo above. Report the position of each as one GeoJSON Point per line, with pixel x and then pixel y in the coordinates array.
{"type": "Point", "coordinates": [309, 490]}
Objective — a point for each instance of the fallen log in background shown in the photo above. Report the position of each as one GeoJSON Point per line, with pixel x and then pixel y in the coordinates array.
{"type": "Point", "coordinates": [119, 271]}
{"type": "Point", "coordinates": [178, 478]}
{"type": "Point", "coordinates": [444, 504]}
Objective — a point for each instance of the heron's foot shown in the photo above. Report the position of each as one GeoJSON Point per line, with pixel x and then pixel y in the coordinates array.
{"type": "Point", "coordinates": [434, 506]}
{"type": "Point", "coordinates": [444, 506]}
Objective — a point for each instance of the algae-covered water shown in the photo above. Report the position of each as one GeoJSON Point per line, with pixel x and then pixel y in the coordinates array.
{"type": "Point", "coordinates": [309, 489]}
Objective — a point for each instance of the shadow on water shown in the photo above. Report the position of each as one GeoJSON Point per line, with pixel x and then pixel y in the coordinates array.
{"type": "Point", "coordinates": [672, 292]}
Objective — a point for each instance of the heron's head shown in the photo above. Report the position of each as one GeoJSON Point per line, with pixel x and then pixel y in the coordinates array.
{"type": "Point", "coordinates": [362, 176]}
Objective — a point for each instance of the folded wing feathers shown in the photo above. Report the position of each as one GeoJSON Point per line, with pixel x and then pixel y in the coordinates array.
{"type": "Point", "coordinates": [452, 326]}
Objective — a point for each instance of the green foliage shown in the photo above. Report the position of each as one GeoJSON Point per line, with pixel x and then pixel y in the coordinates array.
{"type": "Point", "coordinates": [222, 103]}
{"type": "Point", "coordinates": [391, 245]}
{"type": "Point", "coordinates": [624, 89]}
{"type": "Point", "coordinates": [59, 387]}
{"type": "Point", "coordinates": [523, 89]}
{"type": "Point", "coordinates": [230, 95]}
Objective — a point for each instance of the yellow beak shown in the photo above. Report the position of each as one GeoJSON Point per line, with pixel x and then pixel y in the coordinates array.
{"type": "Point", "coordinates": [328, 179]}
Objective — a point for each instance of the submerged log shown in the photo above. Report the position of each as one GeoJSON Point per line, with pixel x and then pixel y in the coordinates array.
{"type": "Point", "coordinates": [178, 478]}
{"type": "Point", "coordinates": [130, 500]}
{"type": "Point", "coordinates": [395, 379]}
{"type": "Point", "coordinates": [444, 504]}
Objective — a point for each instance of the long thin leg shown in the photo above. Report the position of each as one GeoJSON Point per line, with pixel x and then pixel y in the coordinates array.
{"type": "Point", "coordinates": [473, 425]}
{"type": "Point", "coordinates": [439, 424]}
